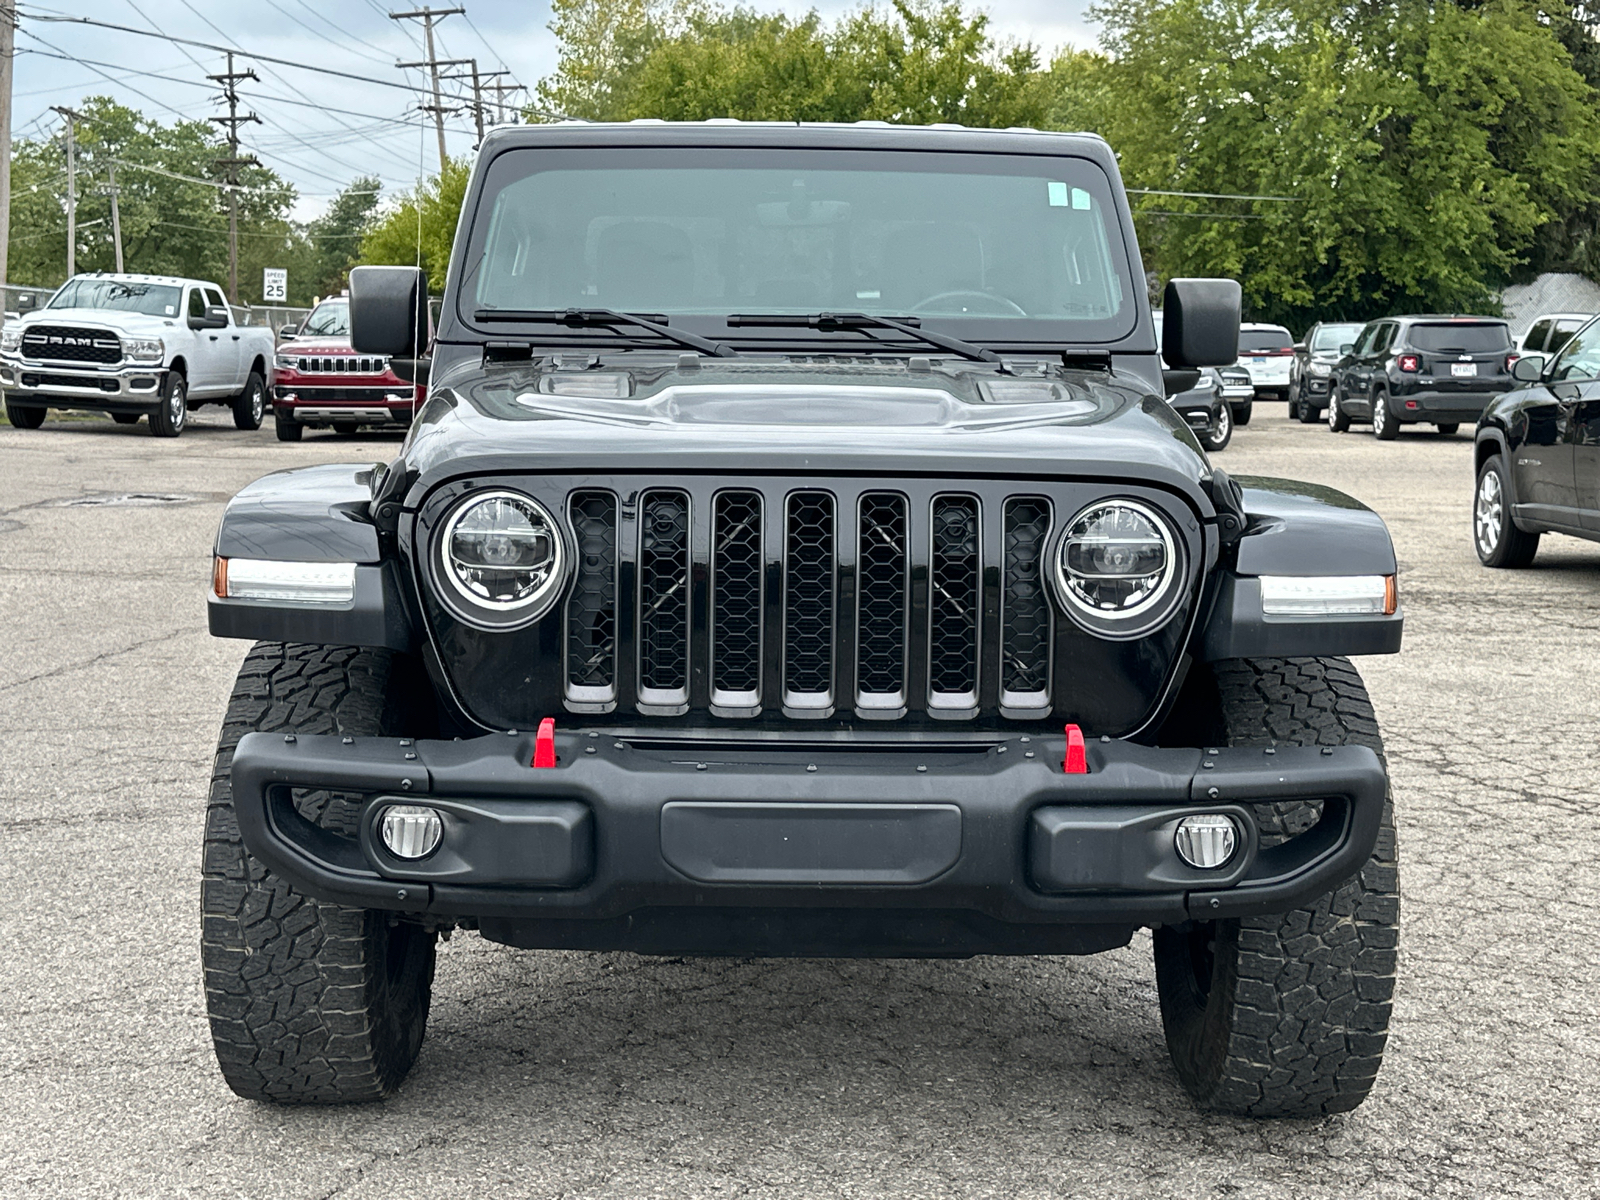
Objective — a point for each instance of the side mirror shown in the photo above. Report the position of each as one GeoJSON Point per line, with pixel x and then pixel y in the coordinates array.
{"type": "Point", "coordinates": [389, 311]}
{"type": "Point", "coordinates": [1347, 348]}
{"type": "Point", "coordinates": [1529, 368]}
{"type": "Point", "coordinates": [413, 370]}
{"type": "Point", "coordinates": [1182, 379]}
{"type": "Point", "coordinates": [220, 315]}
{"type": "Point", "coordinates": [1201, 323]}
{"type": "Point", "coordinates": [287, 333]}
{"type": "Point", "coordinates": [1299, 347]}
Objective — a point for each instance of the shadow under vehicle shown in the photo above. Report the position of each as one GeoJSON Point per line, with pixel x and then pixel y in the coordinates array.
{"type": "Point", "coordinates": [1537, 455]}
{"type": "Point", "coordinates": [796, 554]}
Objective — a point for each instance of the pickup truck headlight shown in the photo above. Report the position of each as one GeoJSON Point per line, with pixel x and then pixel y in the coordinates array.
{"type": "Point", "coordinates": [502, 560]}
{"type": "Point", "coordinates": [10, 341]}
{"type": "Point", "coordinates": [148, 350]}
{"type": "Point", "coordinates": [1117, 568]}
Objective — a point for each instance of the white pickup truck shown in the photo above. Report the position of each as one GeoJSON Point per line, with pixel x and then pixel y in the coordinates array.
{"type": "Point", "coordinates": [135, 345]}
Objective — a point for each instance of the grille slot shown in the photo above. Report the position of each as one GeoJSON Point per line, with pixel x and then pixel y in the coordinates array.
{"type": "Point", "coordinates": [736, 603]}
{"type": "Point", "coordinates": [808, 604]}
{"type": "Point", "coordinates": [68, 343]}
{"type": "Point", "coordinates": [664, 603]}
{"type": "Point", "coordinates": [592, 607]}
{"type": "Point", "coordinates": [1026, 623]}
{"type": "Point", "coordinates": [882, 567]}
{"type": "Point", "coordinates": [954, 603]}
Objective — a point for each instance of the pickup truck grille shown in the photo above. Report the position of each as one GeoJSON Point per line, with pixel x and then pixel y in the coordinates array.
{"type": "Point", "coordinates": [808, 600]}
{"type": "Point", "coordinates": [338, 364]}
{"type": "Point", "coordinates": [69, 343]}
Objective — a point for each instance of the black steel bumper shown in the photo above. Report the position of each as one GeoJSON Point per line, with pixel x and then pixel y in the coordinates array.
{"type": "Point", "coordinates": [772, 847]}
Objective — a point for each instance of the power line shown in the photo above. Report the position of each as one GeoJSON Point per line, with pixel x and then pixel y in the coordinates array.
{"type": "Point", "coordinates": [1214, 195]}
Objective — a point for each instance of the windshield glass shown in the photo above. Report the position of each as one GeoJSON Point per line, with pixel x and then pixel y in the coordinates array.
{"type": "Point", "coordinates": [1465, 337]}
{"type": "Point", "coordinates": [1331, 337]}
{"type": "Point", "coordinates": [329, 319]}
{"type": "Point", "coordinates": [152, 299]}
{"type": "Point", "coordinates": [1254, 341]}
{"type": "Point", "coordinates": [979, 239]}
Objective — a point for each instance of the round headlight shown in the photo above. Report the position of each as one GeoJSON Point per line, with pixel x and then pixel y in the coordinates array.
{"type": "Point", "coordinates": [502, 558]}
{"type": "Point", "coordinates": [1117, 567]}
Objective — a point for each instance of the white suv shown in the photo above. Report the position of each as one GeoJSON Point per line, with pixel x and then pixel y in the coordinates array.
{"type": "Point", "coordinates": [1267, 352]}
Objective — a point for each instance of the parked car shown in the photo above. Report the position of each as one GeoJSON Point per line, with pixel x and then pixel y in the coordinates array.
{"type": "Point", "coordinates": [1311, 369]}
{"type": "Point", "coordinates": [135, 345]}
{"type": "Point", "coordinates": [1537, 454]}
{"type": "Point", "coordinates": [695, 618]}
{"type": "Point", "coordinates": [1265, 353]}
{"type": "Point", "coordinates": [1203, 404]}
{"type": "Point", "coordinates": [1550, 332]}
{"type": "Point", "coordinates": [323, 383]}
{"type": "Point", "coordinates": [1237, 389]}
{"type": "Point", "coordinates": [1438, 370]}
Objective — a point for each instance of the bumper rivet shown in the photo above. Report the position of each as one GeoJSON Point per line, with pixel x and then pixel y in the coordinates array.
{"type": "Point", "coordinates": [1027, 754]}
{"type": "Point", "coordinates": [1270, 750]}
{"type": "Point", "coordinates": [813, 767]}
{"type": "Point", "coordinates": [511, 733]}
{"type": "Point", "coordinates": [400, 895]}
{"type": "Point", "coordinates": [1027, 739]}
{"type": "Point", "coordinates": [1213, 793]}
{"type": "Point", "coordinates": [411, 754]}
{"type": "Point", "coordinates": [406, 742]}
{"type": "Point", "coordinates": [289, 737]}
{"type": "Point", "coordinates": [922, 769]}
{"type": "Point", "coordinates": [619, 745]}
{"type": "Point", "coordinates": [1208, 764]}
{"type": "Point", "coordinates": [1000, 750]}
{"type": "Point", "coordinates": [590, 750]}
{"type": "Point", "coordinates": [405, 785]}
{"type": "Point", "coordinates": [1216, 903]}
{"type": "Point", "coordinates": [349, 741]}
{"type": "Point", "coordinates": [1327, 750]}
{"type": "Point", "coordinates": [702, 767]}
{"type": "Point", "coordinates": [1213, 752]}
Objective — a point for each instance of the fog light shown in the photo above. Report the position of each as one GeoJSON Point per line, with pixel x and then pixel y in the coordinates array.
{"type": "Point", "coordinates": [1206, 841]}
{"type": "Point", "coordinates": [411, 831]}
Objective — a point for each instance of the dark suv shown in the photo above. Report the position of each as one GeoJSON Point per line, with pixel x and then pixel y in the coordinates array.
{"type": "Point", "coordinates": [797, 555]}
{"type": "Point", "coordinates": [1437, 370]}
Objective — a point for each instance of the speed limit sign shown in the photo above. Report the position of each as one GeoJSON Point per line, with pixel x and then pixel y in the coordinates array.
{"type": "Point", "coordinates": [275, 284]}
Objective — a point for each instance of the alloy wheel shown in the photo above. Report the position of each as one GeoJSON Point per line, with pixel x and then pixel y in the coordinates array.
{"type": "Point", "coordinates": [1489, 512]}
{"type": "Point", "coordinates": [1333, 410]}
{"type": "Point", "coordinates": [178, 405]}
{"type": "Point", "coordinates": [258, 403]}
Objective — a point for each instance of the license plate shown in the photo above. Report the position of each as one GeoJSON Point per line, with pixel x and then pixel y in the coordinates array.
{"type": "Point", "coordinates": [1259, 362]}
{"type": "Point", "coordinates": [1459, 369]}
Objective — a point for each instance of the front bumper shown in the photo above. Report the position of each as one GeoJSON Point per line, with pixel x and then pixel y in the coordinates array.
{"type": "Point", "coordinates": [136, 386]}
{"type": "Point", "coordinates": [668, 845]}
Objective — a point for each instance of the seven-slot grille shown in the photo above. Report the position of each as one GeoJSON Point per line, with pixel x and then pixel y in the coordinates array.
{"type": "Point", "coordinates": [68, 343]}
{"type": "Point", "coordinates": [806, 599]}
{"type": "Point", "coordinates": [338, 364]}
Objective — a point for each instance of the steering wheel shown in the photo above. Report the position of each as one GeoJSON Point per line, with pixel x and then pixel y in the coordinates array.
{"type": "Point", "coordinates": [998, 304]}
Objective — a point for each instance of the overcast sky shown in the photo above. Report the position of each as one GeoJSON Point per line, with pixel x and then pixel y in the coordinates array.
{"type": "Point", "coordinates": [366, 131]}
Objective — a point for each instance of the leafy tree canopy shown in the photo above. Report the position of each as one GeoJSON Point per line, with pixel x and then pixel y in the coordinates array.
{"type": "Point", "coordinates": [421, 226]}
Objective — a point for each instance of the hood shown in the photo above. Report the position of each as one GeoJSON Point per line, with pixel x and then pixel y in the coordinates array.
{"type": "Point", "coordinates": [316, 345]}
{"type": "Point", "coordinates": [134, 324]}
{"type": "Point", "coordinates": [812, 417]}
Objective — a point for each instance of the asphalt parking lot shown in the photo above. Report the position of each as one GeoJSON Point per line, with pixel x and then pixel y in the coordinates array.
{"type": "Point", "coordinates": [570, 1074]}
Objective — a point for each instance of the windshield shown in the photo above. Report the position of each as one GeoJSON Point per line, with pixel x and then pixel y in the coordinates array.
{"type": "Point", "coordinates": [1331, 337]}
{"type": "Point", "coordinates": [1254, 341]}
{"type": "Point", "coordinates": [1462, 336]}
{"type": "Point", "coordinates": [151, 299]}
{"type": "Point", "coordinates": [329, 319]}
{"type": "Point", "coordinates": [999, 246]}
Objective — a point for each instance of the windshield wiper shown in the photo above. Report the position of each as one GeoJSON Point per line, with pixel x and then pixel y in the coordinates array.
{"type": "Point", "coordinates": [605, 318]}
{"type": "Point", "coordinates": [827, 322]}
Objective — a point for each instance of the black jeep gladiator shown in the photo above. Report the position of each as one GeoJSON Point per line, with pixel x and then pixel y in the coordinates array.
{"type": "Point", "coordinates": [796, 555]}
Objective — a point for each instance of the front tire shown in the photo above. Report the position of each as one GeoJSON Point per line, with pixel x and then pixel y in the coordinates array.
{"type": "Point", "coordinates": [1338, 419]}
{"type": "Point", "coordinates": [1241, 415]}
{"type": "Point", "coordinates": [1221, 432]}
{"type": "Point", "coordinates": [167, 419]}
{"type": "Point", "coordinates": [1384, 425]}
{"type": "Point", "coordinates": [1448, 429]}
{"type": "Point", "coordinates": [1287, 1015]}
{"type": "Point", "coordinates": [289, 430]}
{"type": "Point", "coordinates": [250, 405]}
{"type": "Point", "coordinates": [310, 1003]}
{"type": "Point", "coordinates": [1309, 413]}
{"type": "Point", "coordinates": [1495, 535]}
{"type": "Point", "coordinates": [24, 416]}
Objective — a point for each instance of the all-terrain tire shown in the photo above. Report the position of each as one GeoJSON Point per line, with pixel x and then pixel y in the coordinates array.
{"type": "Point", "coordinates": [24, 416]}
{"type": "Point", "coordinates": [1287, 1015]}
{"type": "Point", "coordinates": [250, 405]}
{"type": "Point", "coordinates": [310, 1003]}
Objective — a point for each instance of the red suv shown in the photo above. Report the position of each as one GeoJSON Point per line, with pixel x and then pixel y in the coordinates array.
{"type": "Point", "coordinates": [322, 382]}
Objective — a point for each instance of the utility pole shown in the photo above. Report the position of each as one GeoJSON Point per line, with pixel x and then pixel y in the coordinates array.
{"type": "Point", "coordinates": [501, 91]}
{"type": "Point", "coordinates": [229, 79]}
{"type": "Point", "coordinates": [8, 51]}
{"type": "Point", "coordinates": [428, 16]}
{"type": "Point", "coordinates": [72, 120]}
{"type": "Point", "coordinates": [480, 106]}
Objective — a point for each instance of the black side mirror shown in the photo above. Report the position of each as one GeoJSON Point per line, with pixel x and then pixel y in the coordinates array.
{"type": "Point", "coordinates": [1201, 323]}
{"type": "Point", "coordinates": [287, 332]}
{"type": "Point", "coordinates": [1529, 368]}
{"type": "Point", "coordinates": [1347, 348]}
{"type": "Point", "coordinates": [1175, 380]}
{"type": "Point", "coordinates": [389, 311]}
{"type": "Point", "coordinates": [413, 370]}
{"type": "Point", "coordinates": [1299, 347]}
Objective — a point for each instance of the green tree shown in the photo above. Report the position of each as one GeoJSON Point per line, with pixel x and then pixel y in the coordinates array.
{"type": "Point", "coordinates": [421, 226]}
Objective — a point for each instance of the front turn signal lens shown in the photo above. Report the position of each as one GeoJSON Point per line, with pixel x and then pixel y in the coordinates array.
{"type": "Point", "coordinates": [284, 582]}
{"type": "Point", "coordinates": [1329, 595]}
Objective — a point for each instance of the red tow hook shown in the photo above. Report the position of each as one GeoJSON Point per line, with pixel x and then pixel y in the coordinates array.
{"type": "Point", "coordinates": [544, 744]}
{"type": "Point", "coordinates": [1077, 760]}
